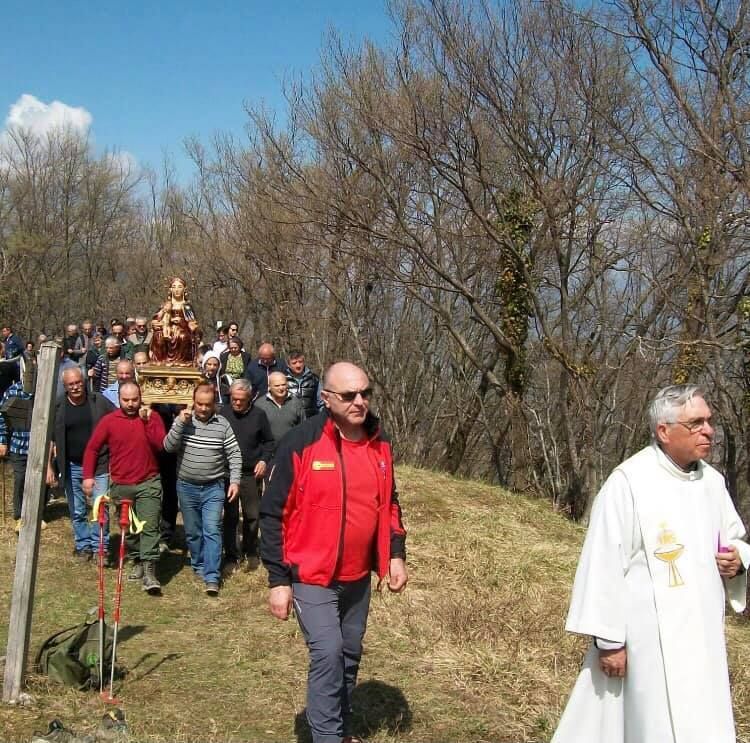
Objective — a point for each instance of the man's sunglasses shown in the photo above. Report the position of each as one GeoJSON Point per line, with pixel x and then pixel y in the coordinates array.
{"type": "Point", "coordinates": [352, 396]}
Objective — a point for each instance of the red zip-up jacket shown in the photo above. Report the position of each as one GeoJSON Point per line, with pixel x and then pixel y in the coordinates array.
{"type": "Point", "coordinates": [303, 509]}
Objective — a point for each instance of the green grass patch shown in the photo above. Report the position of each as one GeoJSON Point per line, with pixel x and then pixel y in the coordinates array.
{"type": "Point", "coordinates": [474, 651]}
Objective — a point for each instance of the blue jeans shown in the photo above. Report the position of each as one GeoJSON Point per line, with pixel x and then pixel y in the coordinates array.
{"type": "Point", "coordinates": [202, 507]}
{"type": "Point", "coordinates": [85, 532]}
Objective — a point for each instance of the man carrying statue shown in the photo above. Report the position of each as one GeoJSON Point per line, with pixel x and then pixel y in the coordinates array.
{"type": "Point", "coordinates": [133, 435]}
{"type": "Point", "coordinates": [663, 547]}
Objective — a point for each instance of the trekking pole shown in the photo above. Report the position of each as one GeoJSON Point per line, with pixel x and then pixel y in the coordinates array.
{"type": "Point", "coordinates": [124, 524]}
{"type": "Point", "coordinates": [101, 516]}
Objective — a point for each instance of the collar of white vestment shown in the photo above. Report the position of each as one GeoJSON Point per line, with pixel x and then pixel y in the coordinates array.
{"type": "Point", "coordinates": [695, 473]}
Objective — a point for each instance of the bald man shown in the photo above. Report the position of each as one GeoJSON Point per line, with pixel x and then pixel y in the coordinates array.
{"type": "Point", "coordinates": [329, 517]}
{"type": "Point", "coordinates": [133, 435]}
{"type": "Point", "coordinates": [125, 372]}
{"type": "Point", "coordinates": [283, 411]}
{"type": "Point", "coordinates": [258, 370]}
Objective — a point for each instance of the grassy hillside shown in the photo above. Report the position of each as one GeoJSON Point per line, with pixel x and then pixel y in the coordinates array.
{"type": "Point", "coordinates": [473, 651]}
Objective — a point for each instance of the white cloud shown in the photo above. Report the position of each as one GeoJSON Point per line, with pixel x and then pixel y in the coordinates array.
{"type": "Point", "coordinates": [29, 114]}
{"type": "Point", "coordinates": [33, 115]}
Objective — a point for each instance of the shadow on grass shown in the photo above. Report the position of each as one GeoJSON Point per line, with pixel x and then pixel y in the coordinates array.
{"type": "Point", "coordinates": [376, 706]}
{"type": "Point", "coordinates": [125, 632]}
{"type": "Point", "coordinates": [137, 676]}
{"type": "Point", "coordinates": [170, 564]}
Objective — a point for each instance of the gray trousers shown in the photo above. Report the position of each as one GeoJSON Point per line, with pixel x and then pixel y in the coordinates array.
{"type": "Point", "coordinates": [333, 621]}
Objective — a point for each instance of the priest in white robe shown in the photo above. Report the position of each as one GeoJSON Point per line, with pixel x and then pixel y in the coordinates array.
{"type": "Point", "coordinates": [663, 548]}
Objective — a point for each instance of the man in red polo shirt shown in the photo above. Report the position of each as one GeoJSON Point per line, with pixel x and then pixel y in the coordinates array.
{"type": "Point", "coordinates": [134, 437]}
{"type": "Point", "coordinates": [329, 516]}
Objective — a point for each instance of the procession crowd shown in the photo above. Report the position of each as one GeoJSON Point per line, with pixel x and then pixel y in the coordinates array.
{"type": "Point", "coordinates": [252, 401]}
{"type": "Point", "coordinates": [265, 448]}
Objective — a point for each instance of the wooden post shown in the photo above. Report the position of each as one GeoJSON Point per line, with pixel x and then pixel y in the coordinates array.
{"type": "Point", "coordinates": [22, 598]}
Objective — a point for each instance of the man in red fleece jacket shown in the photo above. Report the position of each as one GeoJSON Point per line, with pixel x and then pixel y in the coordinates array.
{"type": "Point", "coordinates": [134, 437]}
{"type": "Point", "coordinates": [330, 515]}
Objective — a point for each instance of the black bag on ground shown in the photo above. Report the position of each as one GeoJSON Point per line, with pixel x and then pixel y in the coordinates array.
{"type": "Point", "coordinates": [71, 656]}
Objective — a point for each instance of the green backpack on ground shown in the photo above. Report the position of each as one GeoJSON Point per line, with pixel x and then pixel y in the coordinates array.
{"type": "Point", "coordinates": [71, 656]}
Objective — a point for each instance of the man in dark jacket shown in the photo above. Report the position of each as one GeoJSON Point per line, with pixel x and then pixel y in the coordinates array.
{"type": "Point", "coordinates": [253, 433]}
{"type": "Point", "coordinates": [13, 343]}
{"type": "Point", "coordinates": [76, 416]}
{"type": "Point", "coordinates": [329, 516]}
{"type": "Point", "coordinates": [258, 370]}
{"type": "Point", "coordinates": [303, 383]}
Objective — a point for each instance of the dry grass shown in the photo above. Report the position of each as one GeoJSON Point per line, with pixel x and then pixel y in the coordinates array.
{"type": "Point", "coordinates": [473, 651]}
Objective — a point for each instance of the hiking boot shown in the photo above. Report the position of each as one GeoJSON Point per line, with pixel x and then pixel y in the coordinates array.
{"type": "Point", "coordinates": [150, 584]}
{"type": "Point", "coordinates": [212, 589]}
{"type": "Point", "coordinates": [137, 572]}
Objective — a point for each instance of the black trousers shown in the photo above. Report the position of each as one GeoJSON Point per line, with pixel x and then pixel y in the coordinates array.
{"type": "Point", "coordinates": [169, 506]}
{"type": "Point", "coordinates": [249, 501]}
{"type": "Point", "coordinates": [18, 462]}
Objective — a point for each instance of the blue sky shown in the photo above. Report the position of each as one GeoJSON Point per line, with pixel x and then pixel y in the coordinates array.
{"type": "Point", "coordinates": [151, 74]}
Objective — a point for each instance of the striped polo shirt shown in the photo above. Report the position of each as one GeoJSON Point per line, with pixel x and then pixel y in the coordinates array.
{"type": "Point", "coordinates": [206, 451]}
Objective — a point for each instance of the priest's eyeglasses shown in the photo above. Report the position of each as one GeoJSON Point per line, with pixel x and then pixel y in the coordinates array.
{"type": "Point", "coordinates": [350, 397]}
{"type": "Point", "coordinates": [695, 425]}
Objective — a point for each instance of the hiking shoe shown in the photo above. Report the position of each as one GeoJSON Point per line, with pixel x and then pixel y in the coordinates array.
{"type": "Point", "coordinates": [137, 572]}
{"type": "Point", "coordinates": [150, 583]}
{"type": "Point", "coordinates": [212, 589]}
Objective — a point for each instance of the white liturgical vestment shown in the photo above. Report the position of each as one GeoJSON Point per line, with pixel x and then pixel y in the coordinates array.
{"type": "Point", "coordinates": [648, 578]}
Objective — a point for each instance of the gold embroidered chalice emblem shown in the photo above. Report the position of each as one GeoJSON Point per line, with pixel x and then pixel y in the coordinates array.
{"type": "Point", "coordinates": [669, 551]}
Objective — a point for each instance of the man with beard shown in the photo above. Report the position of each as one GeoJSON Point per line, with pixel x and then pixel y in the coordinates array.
{"type": "Point", "coordinates": [134, 436]}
